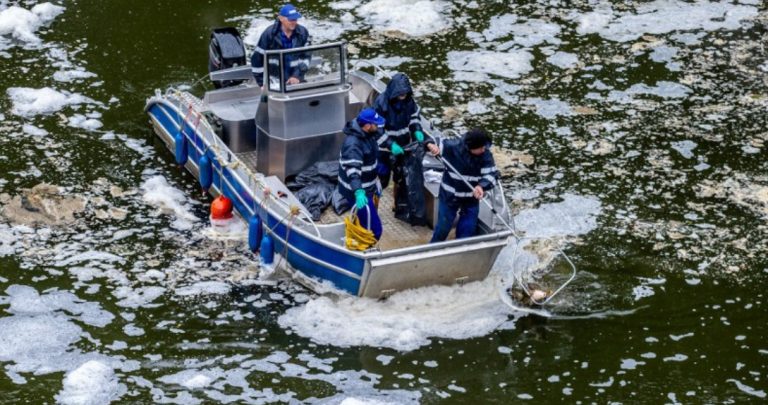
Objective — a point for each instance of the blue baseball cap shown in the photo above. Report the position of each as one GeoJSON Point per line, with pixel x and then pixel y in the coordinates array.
{"type": "Point", "coordinates": [369, 116]}
{"type": "Point", "coordinates": [289, 11]}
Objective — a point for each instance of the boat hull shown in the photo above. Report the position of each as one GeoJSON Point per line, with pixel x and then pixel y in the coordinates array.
{"type": "Point", "coordinates": [317, 251]}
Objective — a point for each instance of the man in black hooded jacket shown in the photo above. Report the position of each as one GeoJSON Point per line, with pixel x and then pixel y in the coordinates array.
{"type": "Point", "coordinates": [403, 126]}
{"type": "Point", "coordinates": [471, 157]}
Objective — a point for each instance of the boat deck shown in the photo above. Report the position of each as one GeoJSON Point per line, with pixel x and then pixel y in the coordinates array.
{"type": "Point", "coordinates": [397, 234]}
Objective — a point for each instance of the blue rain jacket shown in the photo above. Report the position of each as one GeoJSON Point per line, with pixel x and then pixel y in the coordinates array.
{"type": "Point", "coordinates": [403, 118]}
{"type": "Point", "coordinates": [270, 40]}
{"type": "Point", "coordinates": [357, 162]}
{"type": "Point", "coordinates": [477, 170]}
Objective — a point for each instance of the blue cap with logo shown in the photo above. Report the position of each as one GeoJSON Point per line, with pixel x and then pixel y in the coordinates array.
{"type": "Point", "coordinates": [289, 11]}
{"type": "Point", "coordinates": [369, 116]}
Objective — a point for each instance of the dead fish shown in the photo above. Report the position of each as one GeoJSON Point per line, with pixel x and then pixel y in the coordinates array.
{"type": "Point", "coordinates": [537, 294]}
{"type": "Point", "coordinates": [27, 205]}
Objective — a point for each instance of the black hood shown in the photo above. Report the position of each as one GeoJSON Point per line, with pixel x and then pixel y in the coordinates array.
{"type": "Point", "coordinates": [399, 85]}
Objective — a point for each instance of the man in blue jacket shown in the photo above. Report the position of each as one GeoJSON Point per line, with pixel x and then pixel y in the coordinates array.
{"type": "Point", "coordinates": [358, 182]}
{"type": "Point", "coordinates": [285, 33]}
{"type": "Point", "coordinates": [471, 157]}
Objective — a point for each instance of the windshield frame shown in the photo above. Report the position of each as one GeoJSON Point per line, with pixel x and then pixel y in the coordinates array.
{"type": "Point", "coordinates": [278, 56]}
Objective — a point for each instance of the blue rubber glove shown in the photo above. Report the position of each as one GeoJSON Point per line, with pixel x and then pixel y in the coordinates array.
{"type": "Point", "coordinates": [360, 199]}
{"type": "Point", "coordinates": [396, 149]}
{"type": "Point", "coordinates": [419, 136]}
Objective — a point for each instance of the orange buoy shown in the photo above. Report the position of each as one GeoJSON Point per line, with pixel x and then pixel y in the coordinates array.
{"type": "Point", "coordinates": [221, 208]}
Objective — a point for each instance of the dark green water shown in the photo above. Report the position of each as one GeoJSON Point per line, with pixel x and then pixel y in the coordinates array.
{"type": "Point", "coordinates": [669, 305]}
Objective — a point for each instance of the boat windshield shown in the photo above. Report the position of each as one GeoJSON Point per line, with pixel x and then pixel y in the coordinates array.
{"type": "Point", "coordinates": [305, 68]}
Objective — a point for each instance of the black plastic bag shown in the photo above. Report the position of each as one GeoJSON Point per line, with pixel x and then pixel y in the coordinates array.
{"type": "Point", "coordinates": [327, 172]}
{"type": "Point", "coordinates": [340, 204]}
{"type": "Point", "coordinates": [410, 205]}
{"type": "Point", "coordinates": [316, 198]}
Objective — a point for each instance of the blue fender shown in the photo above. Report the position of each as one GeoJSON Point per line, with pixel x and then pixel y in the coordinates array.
{"type": "Point", "coordinates": [267, 250]}
{"type": "Point", "coordinates": [206, 171]}
{"type": "Point", "coordinates": [254, 233]}
{"type": "Point", "coordinates": [181, 153]}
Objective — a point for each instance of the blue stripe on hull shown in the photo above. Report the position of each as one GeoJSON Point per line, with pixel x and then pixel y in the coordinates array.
{"type": "Point", "coordinates": [232, 188]}
{"type": "Point", "coordinates": [313, 249]}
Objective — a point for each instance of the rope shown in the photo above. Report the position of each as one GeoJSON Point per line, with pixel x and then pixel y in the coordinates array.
{"type": "Point", "coordinates": [357, 237]}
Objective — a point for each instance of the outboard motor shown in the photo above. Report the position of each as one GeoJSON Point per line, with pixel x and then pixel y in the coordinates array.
{"type": "Point", "coordinates": [225, 50]}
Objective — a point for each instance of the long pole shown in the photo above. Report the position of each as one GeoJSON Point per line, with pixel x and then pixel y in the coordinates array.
{"type": "Point", "coordinates": [514, 233]}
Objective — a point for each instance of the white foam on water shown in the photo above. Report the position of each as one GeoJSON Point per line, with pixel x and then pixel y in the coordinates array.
{"type": "Point", "coordinates": [25, 300]}
{"type": "Point", "coordinates": [204, 288]}
{"type": "Point", "coordinates": [10, 241]}
{"type": "Point", "coordinates": [685, 148]}
{"type": "Point", "coordinates": [33, 130]}
{"type": "Point", "coordinates": [550, 109]}
{"type": "Point", "coordinates": [227, 229]}
{"type": "Point", "coordinates": [253, 32]}
{"type": "Point", "coordinates": [663, 53]}
{"type": "Point", "coordinates": [415, 18]}
{"type": "Point", "coordinates": [345, 5]}
{"type": "Point", "coordinates": [68, 76]}
{"type": "Point", "coordinates": [389, 61]}
{"type": "Point", "coordinates": [92, 383]}
{"type": "Point", "coordinates": [36, 343]}
{"type": "Point", "coordinates": [384, 359]}
{"type": "Point", "coordinates": [139, 297]}
{"type": "Point", "coordinates": [67, 257]}
{"type": "Point", "coordinates": [192, 379]}
{"type": "Point", "coordinates": [528, 33]}
{"type": "Point", "coordinates": [662, 17]}
{"type": "Point", "coordinates": [476, 108]}
{"type": "Point", "coordinates": [642, 291]}
{"type": "Point", "coordinates": [563, 60]}
{"type": "Point", "coordinates": [510, 64]}
{"type": "Point", "coordinates": [364, 401]}
{"type": "Point", "coordinates": [688, 38]}
{"type": "Point", "coordinates": [81, 121]}
{"type": "Point", "coordinates": [575, 215]}
{"type": "Point", "coordinates": [747, 389]}
{"type": "Point", "coordinates": [29, 102]}
{"type": "Point", "coordinates": [169, 199]}
{"type": "Point", "coordinates": [138, 145]}
{"type": "Point", "coordinates": [21, 24]}
{"type": "Point", "coordinates": [38, 338]}
{"type": "Point", "coordinates": [662, 89]}
{"type": "Point", "coordinates": [405, 321]}
{"type": "Point", "coordinates": [323, 31]}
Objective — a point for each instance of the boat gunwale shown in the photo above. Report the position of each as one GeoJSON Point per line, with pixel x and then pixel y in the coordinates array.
{"type": "Point", "coordinates": [370, 254]}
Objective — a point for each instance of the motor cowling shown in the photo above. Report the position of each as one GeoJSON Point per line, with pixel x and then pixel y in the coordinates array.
{"type": "Point", "coordinates": [225, 50]}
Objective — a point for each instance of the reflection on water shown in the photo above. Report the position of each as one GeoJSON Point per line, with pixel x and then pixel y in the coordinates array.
{"type": "Point", "coordinates": [632, 134]}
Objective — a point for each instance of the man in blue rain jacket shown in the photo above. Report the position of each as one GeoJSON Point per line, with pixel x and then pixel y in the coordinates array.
{"type": "Point", "coordinates": [358, 182]}
{"type": "Point", "coordinates": [471, 157]}
{"type": "Point", "coordinates": [285, 33]}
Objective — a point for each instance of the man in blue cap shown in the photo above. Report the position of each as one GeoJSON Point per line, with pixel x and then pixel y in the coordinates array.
{"type": "Point", "coordinates": [285, 33]}
{"type": "Point", "coordinates": [358, 181]}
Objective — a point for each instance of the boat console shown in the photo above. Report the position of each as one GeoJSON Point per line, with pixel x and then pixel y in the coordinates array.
{"type": "Point", "coordinates": [289, 126]}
